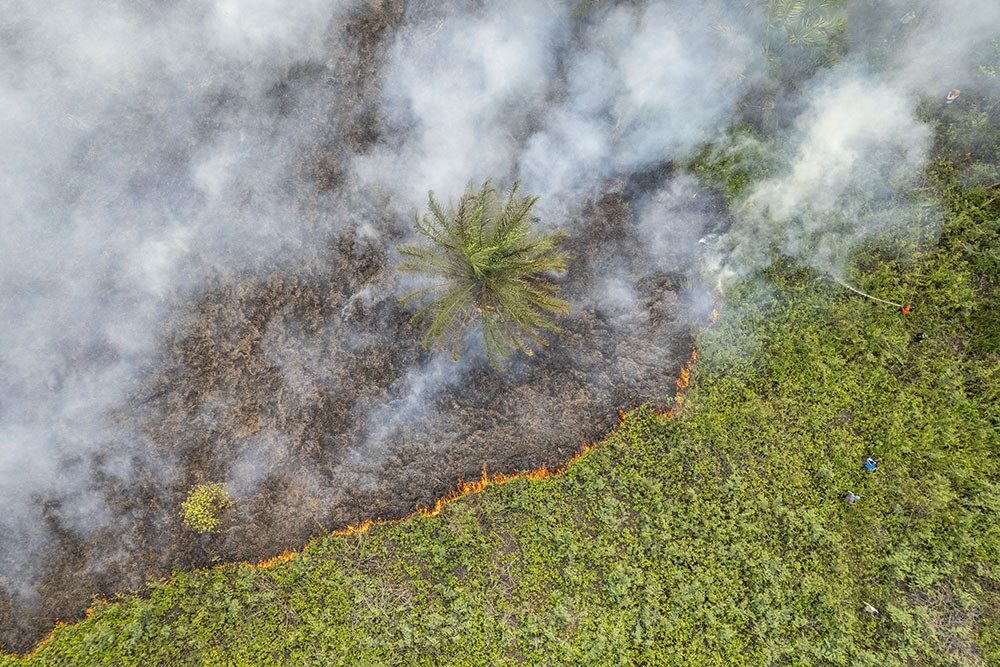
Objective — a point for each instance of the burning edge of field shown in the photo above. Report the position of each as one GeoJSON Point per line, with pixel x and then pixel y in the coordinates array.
{"type": "Point", "coordinates": [462, 489]}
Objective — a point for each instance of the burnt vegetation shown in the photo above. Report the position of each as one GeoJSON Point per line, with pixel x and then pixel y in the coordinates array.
{"type": "Point", "coordinates": [268, 380]}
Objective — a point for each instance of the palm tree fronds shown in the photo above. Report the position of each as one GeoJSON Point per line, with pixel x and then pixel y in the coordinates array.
{"type": "Point", "coordinates": [492, 264]}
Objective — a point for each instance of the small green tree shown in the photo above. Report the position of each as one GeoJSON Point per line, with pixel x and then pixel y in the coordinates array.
{"type": "Point", "coordinates": [491, 263]}
{"type": "Point", "coordinates": [205, 502]}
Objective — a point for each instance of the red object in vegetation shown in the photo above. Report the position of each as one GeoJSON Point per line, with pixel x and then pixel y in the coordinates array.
{"type": "Point", "coordinates": [907, 309]}
{"type": "Point", "coordinates": [952, 96]}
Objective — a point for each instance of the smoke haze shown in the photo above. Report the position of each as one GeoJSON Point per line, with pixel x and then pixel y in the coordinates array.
{"type": "Point", "coordinates": [202, 201]}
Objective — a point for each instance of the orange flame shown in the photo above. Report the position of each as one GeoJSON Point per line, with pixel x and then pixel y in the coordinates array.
{"type": "Point", "coordinates": [283, 557]}
{"type": "Point", "coordinates": [45, 639]}
{"type": "Point", "coordinates": [97, 601]}
{"type": "Point", "coordinates": [684, 378]}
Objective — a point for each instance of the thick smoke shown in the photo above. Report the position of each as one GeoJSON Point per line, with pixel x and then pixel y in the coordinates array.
{"type": "Point", "coordinates": [859, 136]}
{"type": "Point", "coordinates": [517, 91]}
{"type": "Point", "coordinates": [927, 46]}
{"type": "Point", "coordinates": [162, 161]}
{"type": "Point", "coordinates": [145, 148]}
{"type": "Point", "coordinates": [459, 91]}
{"type": "Point", "coordinates": [856, 145]}
{"type": "Point", "coordinates": [639, 88]}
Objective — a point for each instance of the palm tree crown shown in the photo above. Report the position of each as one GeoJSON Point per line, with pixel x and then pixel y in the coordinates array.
{"type": "Point", "coordinates": [490, 263]}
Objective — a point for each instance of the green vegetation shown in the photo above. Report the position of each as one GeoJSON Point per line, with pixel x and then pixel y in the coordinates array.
{"type": "Point", "coordinates": [813, 29]}
{"type": "Point", "coordinates": [491, 264]}
{"type": "Point", "coordinates": [720, 537]}
{"type": "Point", "coordinates": [799, 38]}
{"type": "Point", "coordinates": [204, 503]}
{"type": "Point", "coordinates": [731, 166]}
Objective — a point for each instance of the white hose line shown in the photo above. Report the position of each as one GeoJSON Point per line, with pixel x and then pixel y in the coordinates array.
{"type": "Point", "coordinates": [857, 291]}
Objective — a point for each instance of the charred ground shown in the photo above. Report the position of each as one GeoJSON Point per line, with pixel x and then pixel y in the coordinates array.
{"type": "Point", "coordinates": [269, 382]}
{"type": "Point", "coordinates": [304, 386]}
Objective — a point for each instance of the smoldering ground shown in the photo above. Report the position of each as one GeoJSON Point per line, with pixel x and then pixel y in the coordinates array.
{"type": "Point", "coordinates": [203, 201]}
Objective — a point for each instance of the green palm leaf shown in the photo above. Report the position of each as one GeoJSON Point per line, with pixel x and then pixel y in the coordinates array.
{"type": "Point", "coordinates": [491, 266]}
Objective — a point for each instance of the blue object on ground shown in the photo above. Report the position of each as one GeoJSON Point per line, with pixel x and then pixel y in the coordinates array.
{"type": "Point", "coordinates": [870, 464]}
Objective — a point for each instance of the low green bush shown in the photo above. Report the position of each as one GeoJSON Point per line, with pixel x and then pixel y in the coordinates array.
{"type": "Point", "coordinates": [202, 508]}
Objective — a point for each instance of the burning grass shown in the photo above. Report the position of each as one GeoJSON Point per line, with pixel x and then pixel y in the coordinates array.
{"type": "Point", "coordinates": [298, 390]}
{"type": "Point", "coordinates": [465, 488]}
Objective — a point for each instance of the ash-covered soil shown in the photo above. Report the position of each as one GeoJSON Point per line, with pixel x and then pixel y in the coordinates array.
{"type": "Point", "coordinates": [304, 386]}
{"type": "Point", "coordinates": [318, 406]}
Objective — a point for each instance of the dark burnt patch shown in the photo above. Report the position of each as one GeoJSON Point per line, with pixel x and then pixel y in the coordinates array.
{"type": "Point", "coordinates": [304, 386]}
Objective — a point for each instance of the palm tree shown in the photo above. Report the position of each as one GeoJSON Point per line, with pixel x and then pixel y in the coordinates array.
{"type": "Point", "coordinates": [491, 266]}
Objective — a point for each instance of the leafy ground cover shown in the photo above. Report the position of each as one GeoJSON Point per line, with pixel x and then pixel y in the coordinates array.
{"type": "Point", "coordinates": [718, 537]}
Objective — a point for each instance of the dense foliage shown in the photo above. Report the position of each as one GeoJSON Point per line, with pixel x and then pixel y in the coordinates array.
{"type": "Point", "coordinates": [492, 266]}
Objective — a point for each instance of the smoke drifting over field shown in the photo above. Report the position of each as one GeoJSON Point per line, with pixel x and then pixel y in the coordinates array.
{"type": "Point", "coordinates": [202, 201]}
{"type": "Point", "coordinates": [564, 105]}
{"type": "Point", "coordinates": [144, 149]}
{"type": "Point", "coordinates": [855, 146]}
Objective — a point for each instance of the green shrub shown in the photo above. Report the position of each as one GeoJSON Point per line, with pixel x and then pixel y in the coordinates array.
{"type": "Point", "coordinates": [205, 502]}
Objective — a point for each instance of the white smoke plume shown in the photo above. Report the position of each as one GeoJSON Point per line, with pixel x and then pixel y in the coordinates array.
{"type": "Point", "coordinates": [520, 91]}
{"type": "Point", "coordinates": [859, 139]}
{"type": "Point", "coordinates": [143, 149]}
{"type": "Point", "coordinates": [856, 145]}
